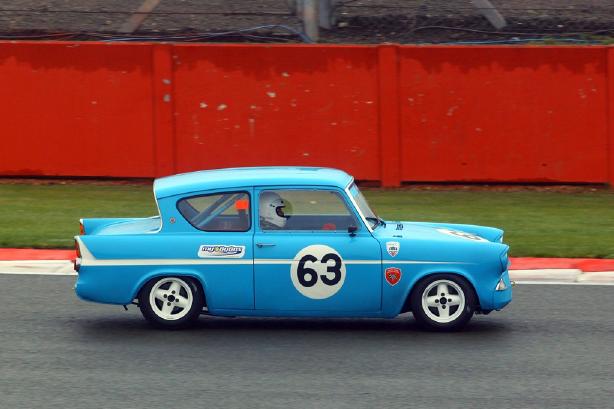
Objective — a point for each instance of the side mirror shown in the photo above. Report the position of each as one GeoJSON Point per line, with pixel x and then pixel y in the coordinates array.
{"type": "Point", "coordinates": [352, 230]}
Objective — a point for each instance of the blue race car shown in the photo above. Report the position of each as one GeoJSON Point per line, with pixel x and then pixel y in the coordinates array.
{"type": "Point", "coordinates": [291, 242]}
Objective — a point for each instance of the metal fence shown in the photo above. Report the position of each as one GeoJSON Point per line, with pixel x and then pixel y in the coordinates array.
{"type": "Point", "coordinates": [334, 21]}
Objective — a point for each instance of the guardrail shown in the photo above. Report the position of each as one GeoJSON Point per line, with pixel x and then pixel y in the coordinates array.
{"type": "Point", "coordinates": [385, 113]}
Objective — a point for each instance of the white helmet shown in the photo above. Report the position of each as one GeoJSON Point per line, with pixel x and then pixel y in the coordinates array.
{"type": "Point", "coordinates": [272, 210]}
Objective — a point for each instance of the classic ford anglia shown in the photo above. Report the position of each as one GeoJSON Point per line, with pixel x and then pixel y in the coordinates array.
{"type": "Point", "coordinates": [287, 241]}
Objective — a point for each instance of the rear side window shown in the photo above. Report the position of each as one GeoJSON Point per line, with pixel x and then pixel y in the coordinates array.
{"type": "Point", "coordinates": [217, 212]}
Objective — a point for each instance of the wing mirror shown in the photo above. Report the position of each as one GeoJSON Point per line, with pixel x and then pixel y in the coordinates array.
{"type": "Point", "coordinates": [352, 230]}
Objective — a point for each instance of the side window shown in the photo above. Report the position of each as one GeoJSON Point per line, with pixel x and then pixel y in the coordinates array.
{"type": "Point", "coordinates": [217, 212]}
{"type": "Point", "coordinates": [304, 210]}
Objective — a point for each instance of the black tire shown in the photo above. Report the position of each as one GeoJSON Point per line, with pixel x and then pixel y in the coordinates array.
{"type": "Point", "coordinates": [430, 307]}
{"type": "Point", "coordinates": [182, 303]}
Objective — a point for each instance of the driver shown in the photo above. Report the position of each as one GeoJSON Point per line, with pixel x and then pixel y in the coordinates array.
{"type": "Point", "coordinates": [272, 215]}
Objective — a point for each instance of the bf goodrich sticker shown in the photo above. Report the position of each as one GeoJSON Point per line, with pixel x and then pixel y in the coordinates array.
{"type": "Point", "coordinates": [221, 251]}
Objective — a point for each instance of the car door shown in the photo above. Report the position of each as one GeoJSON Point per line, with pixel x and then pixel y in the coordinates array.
{"type": "Point", "coordinates": [219, 239]}
{"type": "Point", "coordinates": [305, 260]}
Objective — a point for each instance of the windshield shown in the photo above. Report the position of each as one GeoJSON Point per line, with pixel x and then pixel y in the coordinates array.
{"type": "Point", "coordinates": [364, 208]}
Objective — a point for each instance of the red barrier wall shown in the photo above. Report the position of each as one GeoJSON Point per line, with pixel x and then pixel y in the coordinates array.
{"type": "Point", "coordinates": [75, 109]}
{"type": "Point", "coordinates": [386, 113]}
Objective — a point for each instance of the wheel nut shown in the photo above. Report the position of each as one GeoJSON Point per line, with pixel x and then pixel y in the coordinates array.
{"type": "Point", "coordinates": [169, 303]}
{"type": "Point", "coordinates": [164, 295]}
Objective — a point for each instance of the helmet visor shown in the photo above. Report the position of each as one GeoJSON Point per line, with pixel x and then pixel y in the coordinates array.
{"type": "Point", "coordinates": [279, 210]}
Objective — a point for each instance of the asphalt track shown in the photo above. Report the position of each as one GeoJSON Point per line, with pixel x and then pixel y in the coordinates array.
{"type": "Point", "coordinates": [552, 348]}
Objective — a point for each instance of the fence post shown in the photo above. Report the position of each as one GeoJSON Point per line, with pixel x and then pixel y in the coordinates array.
{"type": "Point", "coordinates": [610, 113]}
{"type": "Point", "coordinates": [163, 110]}
{"type": "Point", "coordinates": [389, 117]}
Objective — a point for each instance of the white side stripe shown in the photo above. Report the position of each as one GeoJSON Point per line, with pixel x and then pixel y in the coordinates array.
{"type": "Point", "coordinates": [229, 261]}
{"type": "Point", "coordinates": [422, 262]}
{"type": "Point", "coordinates": [160, 262]}
{"type": "Point", "coordinates": [88, 259]}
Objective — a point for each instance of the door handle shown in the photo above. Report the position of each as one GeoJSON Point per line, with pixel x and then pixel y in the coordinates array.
{"type": "Point", "coordinates": [265, 244]}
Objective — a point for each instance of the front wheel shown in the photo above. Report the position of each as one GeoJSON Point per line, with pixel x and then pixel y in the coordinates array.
{"type": "Point", "coordinates": [171, 302]}
{"type": "Point", "coordinates": [443, 302]}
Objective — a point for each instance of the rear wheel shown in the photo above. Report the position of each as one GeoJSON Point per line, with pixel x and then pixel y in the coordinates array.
{"type": "Point", "coordinates": [171, 302]}
{"type": "Point", "coordinates": [443, 302]}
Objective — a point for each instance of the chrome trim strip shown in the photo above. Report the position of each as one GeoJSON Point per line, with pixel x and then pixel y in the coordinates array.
{"type": "Point", "coordinates": [362, 216]}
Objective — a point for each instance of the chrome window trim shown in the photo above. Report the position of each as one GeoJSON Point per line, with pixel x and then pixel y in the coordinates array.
{"type": "Point", "coordinates": [351, 197]}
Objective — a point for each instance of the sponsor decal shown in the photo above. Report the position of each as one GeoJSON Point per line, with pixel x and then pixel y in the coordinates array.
{"type": "Point", "coordinates": [393, 247]}
{"type": "Point", "coordinates": [461, 234]}
{"type": "Point", "coordinates": [221, 251]}
{"type": "Point", "coordinates": [393, 275]}
{"type": "Point", "coordinates": [317, 272]}
{"type": "Point", "coordinates": [399, 226]}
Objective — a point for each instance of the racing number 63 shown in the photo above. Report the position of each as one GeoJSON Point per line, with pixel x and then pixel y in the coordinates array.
{"type": "Point", "coordinates": [313, 276]}
{"type": "Point", "coordinates": [318, 271]}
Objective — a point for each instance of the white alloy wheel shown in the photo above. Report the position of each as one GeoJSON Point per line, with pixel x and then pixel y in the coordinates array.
{"type": "Point", "coordinates": [443, 301]}
{"type": "Point", "coordinates": [171, 298]}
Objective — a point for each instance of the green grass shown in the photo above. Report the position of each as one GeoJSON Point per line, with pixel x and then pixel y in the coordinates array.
{"type": "Point", "coordinates": [536, 223]}
{"type": "Point", "coordinates": [47, 216]}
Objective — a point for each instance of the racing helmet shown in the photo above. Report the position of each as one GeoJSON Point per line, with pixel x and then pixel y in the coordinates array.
{"type": "Point", "coordinates": [272, 210]}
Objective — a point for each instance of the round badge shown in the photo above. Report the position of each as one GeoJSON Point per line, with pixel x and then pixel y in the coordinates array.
{"type": "Point", "coordinates": [462, 234]}
{"type": "Point", "coordinates": [317, 272]}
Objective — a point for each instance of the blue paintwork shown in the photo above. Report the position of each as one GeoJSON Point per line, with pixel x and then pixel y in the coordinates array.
{"type": "Point", "coordinates": [240, 177]}
{"type": "Point", "coordinates": [121, 255]}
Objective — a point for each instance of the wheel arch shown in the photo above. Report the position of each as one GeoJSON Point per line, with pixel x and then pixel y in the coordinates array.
{"type": "Point", "coordinates": [410, 291]}
{"type": "Point", "coordinates": [181, 273]}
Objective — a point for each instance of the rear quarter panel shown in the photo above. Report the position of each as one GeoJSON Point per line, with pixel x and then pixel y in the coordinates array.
{"type": "Point", "coordinates": [114, 268]}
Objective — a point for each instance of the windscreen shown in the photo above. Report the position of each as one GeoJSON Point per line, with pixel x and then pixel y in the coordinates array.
{"type": "Point", "coordinates": [363, 206]}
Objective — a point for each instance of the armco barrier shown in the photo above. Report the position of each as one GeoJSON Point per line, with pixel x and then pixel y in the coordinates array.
{"type": "Point", "coordinates": [386, 113]}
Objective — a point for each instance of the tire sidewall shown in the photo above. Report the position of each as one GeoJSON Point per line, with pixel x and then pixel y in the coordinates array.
{"type": "Point", "coordinates": [185, 321]}
{"type": "Point", "coordinates": [425, 321]}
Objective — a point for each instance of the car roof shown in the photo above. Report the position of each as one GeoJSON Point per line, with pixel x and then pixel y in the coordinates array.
{"type": "Point", "coordinates": [232, 178]}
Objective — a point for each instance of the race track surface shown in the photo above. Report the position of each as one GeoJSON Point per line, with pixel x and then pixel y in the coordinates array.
{"type": "Point", "coordinates": [552, 348]}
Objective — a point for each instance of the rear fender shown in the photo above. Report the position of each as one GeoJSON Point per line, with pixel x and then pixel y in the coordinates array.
{"type": "Point", "coordinates": [166, 272]}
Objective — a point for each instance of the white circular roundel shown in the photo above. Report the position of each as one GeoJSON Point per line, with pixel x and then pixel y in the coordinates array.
{"type": "Point", "coordinates": [462, 234]}
{"type": "Point", "coordinates": [317, 271]}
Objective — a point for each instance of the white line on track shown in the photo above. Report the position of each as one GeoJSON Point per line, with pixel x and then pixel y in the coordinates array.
{"type": "Point", "coordinates": [560, 283]}
{"type": "Point", "coordinates": [39, 273]}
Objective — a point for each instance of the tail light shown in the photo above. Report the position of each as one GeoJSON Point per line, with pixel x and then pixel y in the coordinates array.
{"type": "Point", "coordinates": [77, 260]}
{"type": "Point", "coordinates": [77, 249]}
{"type": "Point", "coordinates": [81, 228]}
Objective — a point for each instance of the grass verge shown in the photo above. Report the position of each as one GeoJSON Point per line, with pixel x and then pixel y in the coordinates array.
{"type": "Point", "coordinates": [537, 223]}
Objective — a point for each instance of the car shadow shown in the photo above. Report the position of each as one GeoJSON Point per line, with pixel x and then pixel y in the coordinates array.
{"type": "Point", "coordinates": [404, 324]}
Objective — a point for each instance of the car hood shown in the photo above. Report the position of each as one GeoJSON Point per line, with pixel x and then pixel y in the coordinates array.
{"type": "Point", "coordinates": [436, 243]}
{"type": "Point", "coordinates": [438, 232]}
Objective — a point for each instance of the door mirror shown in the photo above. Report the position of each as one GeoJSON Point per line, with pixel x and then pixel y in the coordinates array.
{"type": "Point", "coordinates": [352, 230]}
